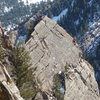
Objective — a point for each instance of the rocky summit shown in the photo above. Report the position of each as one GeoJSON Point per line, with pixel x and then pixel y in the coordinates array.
{"type": "Point", "coordinates": [61, 71]}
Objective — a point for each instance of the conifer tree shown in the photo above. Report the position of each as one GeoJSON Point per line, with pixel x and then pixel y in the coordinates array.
{"type": "Point", "coordinates": [21, 61]}
{"type": "Point", "coordinates": [25, 79]}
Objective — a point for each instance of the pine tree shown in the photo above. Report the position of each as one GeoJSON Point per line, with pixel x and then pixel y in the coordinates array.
{"type": "Point", "coordinates": [21, 61]}
{"type": "Point", "coordinates": [25, 78]}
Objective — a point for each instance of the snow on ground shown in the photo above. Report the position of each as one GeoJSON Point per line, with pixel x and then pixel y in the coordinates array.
{"type": "Point", "coordinates": [95, 31]}
{"type": "Point", "coordinates": [62, 90]}
{"type": "Point", "coordinates": [92, 47]}
{"type": "Point", "coordinates": [72, 4]}
{"type": "Point", "coordinates": [6, 9]}
{"type": "Point", "coordinates": [21, 39]}
{"type": "Point", "coordinates": [10, 27]}
{"type": "Point", "coordinates": [90, 2]}
{"type": "Point", "coordinates": [33, 1]}
{"type": "Point", "coordinates": [76, 22]}
{"type": "Point", "coordinates": [57, 18]}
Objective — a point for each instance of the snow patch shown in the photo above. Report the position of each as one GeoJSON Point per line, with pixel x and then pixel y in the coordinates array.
{"type": "Point", "coordinates": [6, 9]}
{"type": "Point", "coordinates": [72, 4]}
{"type": "Point", "coordinates": [62, 90]}
{"type": "Point", "coordinates": [57, 18]}
{"type": "Point", "coordinates": [32, 1]}
{"type": "Point", "coordinates": [93, 46]}
{"type": "Point", "coordinates": [76, 22]}
{"type": "Point", "coordinates": [90, 2]}
{"type": "Point", "coordinates": [10, 27]}
{"type": "Point", "coordinates": [59, 72]}
{"type": "Point", "coordinates": [21, 39]}
{"type": "Point", "coordinates": [90, 24]}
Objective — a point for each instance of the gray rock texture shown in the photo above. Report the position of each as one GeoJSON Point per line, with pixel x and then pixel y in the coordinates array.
{"type": "Point", "coordinates": [51, 49]}
{"type": "Point", "coordinates": [82, 85]}
{"type": "Point", "coordinates": [8, 90]}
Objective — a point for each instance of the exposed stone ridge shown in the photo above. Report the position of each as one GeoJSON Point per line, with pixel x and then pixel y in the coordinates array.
{"type": "Point", "coordinates": [51, 49]}
{"type": "Point", "coordinates": [8, 91]}
{"type": "Point", "coordinates": [82, 85]}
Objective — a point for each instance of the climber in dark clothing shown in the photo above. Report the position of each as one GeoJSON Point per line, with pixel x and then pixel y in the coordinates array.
{"type": "Point", "coordinates": [74, 40]}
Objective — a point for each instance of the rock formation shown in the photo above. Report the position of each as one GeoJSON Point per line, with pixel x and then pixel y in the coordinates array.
{"type": "Point", "coordinates": [60, 70]}
{"type": "Point", "coordinates": [8, 90]}
{"type": "Point", "coordinates": [53, 53]}
{"type": "Point", "coordinates": [5, 39]}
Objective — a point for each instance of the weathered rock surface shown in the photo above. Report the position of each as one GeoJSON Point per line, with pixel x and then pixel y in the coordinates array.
{"type": "Point", "coordinates": [8, 90]}
{"type": "Point", "coordinates": [82, 85]}
{"type": "Point", "coordinates": [51, 49]}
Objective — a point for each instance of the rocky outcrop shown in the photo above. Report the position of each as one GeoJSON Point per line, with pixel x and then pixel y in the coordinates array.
{"type": "Point", "coordinates": [53, 53]}
{"type": "Point", "coordinates": [5, 39]}
{"type": "Point", "coordinates": [82, 84]}
{"type": "Point", "coordinates": [8, 90]}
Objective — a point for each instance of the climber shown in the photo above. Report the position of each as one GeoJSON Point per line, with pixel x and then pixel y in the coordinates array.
{"type": "Point", "coordinates": [74, 40]}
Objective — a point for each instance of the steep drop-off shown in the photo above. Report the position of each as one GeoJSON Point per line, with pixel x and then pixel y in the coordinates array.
{"type": "Point", "coordinates": [58, 60]}
{"type": "Point", "coordinates": [60, 71]}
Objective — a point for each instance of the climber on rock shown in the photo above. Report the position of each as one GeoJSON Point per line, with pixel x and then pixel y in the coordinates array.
{"type": "Point", "coordinates": [74, 40]}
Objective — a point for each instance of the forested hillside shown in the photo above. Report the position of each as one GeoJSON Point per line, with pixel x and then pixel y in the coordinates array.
{"type": "Point", "coordinates": [15, 12]}
{"type": "Point", "coordinates": [76, 16]}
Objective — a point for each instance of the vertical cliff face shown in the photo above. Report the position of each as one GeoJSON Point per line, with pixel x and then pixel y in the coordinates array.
{"type": "Point", "coordinates": [58, 60]}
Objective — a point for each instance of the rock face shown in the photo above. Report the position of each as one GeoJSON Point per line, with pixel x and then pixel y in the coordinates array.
{"type": "Point", "coordinates": [53, 52]}
{"type": "Point", "coordinates": [82, 84]}
{"type": "Point", "coordinates": [13, 37]}
{"type": "Point", "coordinates": [8, 90]}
